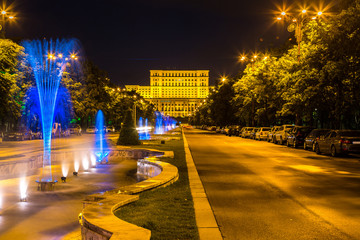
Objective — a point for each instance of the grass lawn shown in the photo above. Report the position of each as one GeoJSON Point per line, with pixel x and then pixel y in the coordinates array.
{"type": "Point", "coordinates": [167, 211]}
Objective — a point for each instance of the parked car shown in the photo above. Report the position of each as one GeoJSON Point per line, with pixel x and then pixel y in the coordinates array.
{"type": "Point", "coordinates": [218, 130]}
{"type": "Point", "coordinates": [211, 128]}
{"type": "Point", "coordinates": [91, 129]}
{"type": "Point", "coordinates": [297, 136]}
{"type": "Point", "coordinates": [110, 129]}
{"type": "Point", "coordinates": [64, 132]}
{"type": "Point", "coordinates": [225, 130]}
{"type": "Point", "coordinates": [246, 132]}
{"type": "Point", "coordinates": [313, 136]}
{"type": "Point", "coordinates": [75, 129]}
{"type": "Point", "coordinates": [234, 131]}
{"type": "Point", "coordinates": [271, 134]}
{"type": "Point", "coordinates": [56, 130]}
{"type": "Point", "coordinates": [18, 134]}
{"type": "Point", "coordinates": [253, 132]}
{"type": "Point", "coordinates": [338, 142]}
{"type": "Point", "coordinates": [37, 133]}
{"type": "Point", "coordinates": [282, 134]}
{"type": "Point", "coordinates": [241, 131]}
{"type": "Point", "coordinates": [262, 133]}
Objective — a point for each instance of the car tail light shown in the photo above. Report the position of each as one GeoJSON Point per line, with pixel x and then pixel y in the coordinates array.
{"type": "Point", "coordinates": [345, 141]}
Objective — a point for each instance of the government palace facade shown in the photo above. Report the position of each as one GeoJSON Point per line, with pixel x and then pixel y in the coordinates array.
{"type": "Point", "coordinates": [175, 93]}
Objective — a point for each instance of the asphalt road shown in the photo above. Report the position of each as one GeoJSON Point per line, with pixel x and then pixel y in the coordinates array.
{"type": "Point", "coordinates": [52, 215]}
{"type": "Point", "coordinates": [259, 190]}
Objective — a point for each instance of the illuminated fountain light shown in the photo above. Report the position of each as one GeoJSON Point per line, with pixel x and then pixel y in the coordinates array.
{"type": "Point", "coordinates": [147, 130]}
{"type": "Point", "coordinates": [23, 189]}
{"type": "Point", "coordinates": [85, 163]}
{"type": "Point", "coordinates": [92, 160]}
{"type": "Point", "coordinates": [101, 150]}
{"type": "Point", "coordinates": [48, 64]}
{"type": "Point", "coordinates": [65, 171]}
{"type": "Point", "coordinates": [65, 168]}
{"type": "Point", "coordinates": [143, 131]}
{"type": "Point", "coordinates": [76, 167]}
{"type": "Point", "coordinates": [159, 127]}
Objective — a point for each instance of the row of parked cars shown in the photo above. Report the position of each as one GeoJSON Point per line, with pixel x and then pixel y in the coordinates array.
{"type": "Point", "coordinates": [23, 133]}
{"type": "Point", "coordinates": [334, 142]}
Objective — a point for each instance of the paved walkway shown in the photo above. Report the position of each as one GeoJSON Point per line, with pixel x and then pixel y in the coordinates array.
{"type": "Point", "coordinates": [205, 219]}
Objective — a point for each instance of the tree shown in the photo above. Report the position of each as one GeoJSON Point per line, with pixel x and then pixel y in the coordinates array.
{"type": "Point", "coordinates": [10, 96]}
{"type": "Point", "coordinates": [128, 133]}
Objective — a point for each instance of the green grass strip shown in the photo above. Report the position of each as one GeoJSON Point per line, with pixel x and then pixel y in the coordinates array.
{"type": "Point", "coordinates": [167, 211]}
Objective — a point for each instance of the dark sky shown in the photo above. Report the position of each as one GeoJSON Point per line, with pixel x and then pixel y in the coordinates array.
{"type": "Point", "coordinates": [127, 38]}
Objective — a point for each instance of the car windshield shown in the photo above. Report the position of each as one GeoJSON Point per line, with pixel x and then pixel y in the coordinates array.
{"type": "Point", "coordinates": [350, 134]}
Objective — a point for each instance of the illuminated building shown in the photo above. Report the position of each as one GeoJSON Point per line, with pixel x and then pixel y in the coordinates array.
{"type": "Point", "coordinates": [175, 92]}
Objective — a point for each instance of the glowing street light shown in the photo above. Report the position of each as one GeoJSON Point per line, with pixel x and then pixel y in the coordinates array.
{"type": "Point", "coordinates": [4, 16]}
{"type": "Point", "coordinates": [296, 23]}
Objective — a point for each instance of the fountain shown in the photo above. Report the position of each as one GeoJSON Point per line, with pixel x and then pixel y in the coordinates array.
{"type": "Point", "coordinates": [147, 128]}
{"type": "Point", "coordinates": [159, 128]}
{"type": "Point", "coordinates": [101, 149]}
{"type": "Point", "coordinates": [163, 123]}
{"type": "Point", "coordinates": [143, 130]}
{"type": "Point", "coordinates": [48, 62]}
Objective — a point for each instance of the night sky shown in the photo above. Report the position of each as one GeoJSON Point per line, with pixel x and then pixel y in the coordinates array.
{"type": "Point", "coordinates": [127, 38]}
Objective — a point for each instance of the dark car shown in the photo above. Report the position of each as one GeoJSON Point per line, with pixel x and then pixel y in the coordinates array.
{"type": "Point", "coordinates": [37, 133]}
{"type": "Point", "coordinates": [338, 142]}
{"type": "Point", "coordinates": [234, 131]}
{"type": "Point", "coordinates": [313, 136]}
{"type": "Point", "coordinates": [297, 136]}
{"type": "Point", "coordinates": [75, 129]}
{"type": "Point", "coordinates": [18, 134]}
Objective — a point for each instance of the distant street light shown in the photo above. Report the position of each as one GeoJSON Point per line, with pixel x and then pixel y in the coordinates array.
{"type": "Point", "coordinates": [4, 16]}
{"type": "Point", "coordinates": [297, 21]}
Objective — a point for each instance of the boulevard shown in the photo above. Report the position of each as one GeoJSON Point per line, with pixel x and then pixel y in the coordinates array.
{"type": "Point", "coordinates": [54, 214]}
{"type": "Point", "coordinates": [259, 190]}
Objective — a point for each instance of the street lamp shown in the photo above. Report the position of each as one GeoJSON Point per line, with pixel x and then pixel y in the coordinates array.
{"type": "Point", "coordinates": [297, 22]}
{"type": "Point", "coordinates": [255, 57]}
{"type": "Point", "coordinates": [4, 16]}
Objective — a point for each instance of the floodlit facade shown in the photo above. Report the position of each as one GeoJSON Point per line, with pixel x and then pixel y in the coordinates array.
{"type": "Point", "coordinates": [175, 92]}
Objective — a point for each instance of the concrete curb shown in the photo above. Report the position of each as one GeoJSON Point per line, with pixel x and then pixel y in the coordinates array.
{"type": "Point", "coordinates": [205, 219]}
{"type": "Point", "coordinates": [98, 220]}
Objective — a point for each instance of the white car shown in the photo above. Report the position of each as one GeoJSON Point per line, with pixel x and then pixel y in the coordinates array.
{"type": "Point", "coordinates": [262, 133]}
{"type": "Point", "coordinates": [110, 129]}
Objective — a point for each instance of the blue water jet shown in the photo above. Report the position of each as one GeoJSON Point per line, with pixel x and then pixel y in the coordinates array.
{"type": "Point", "coordinates": [159, 128]}
{"type": "Point", "coordinates": [147, 135]}
{"type": "Point", "coordinates": [163, 123]}
{"type": "Point", "coordinates": [101, 148]}
{"type": "Point", "coordinates": [48, 60]}
{"type": "Point", "coordinates": [143, 130]}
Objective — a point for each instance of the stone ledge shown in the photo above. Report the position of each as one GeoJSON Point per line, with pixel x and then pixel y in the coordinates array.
{"type": "Point", "coordinates": [97, 218]}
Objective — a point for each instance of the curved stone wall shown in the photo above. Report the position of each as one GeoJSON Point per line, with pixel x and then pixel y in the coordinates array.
{"type": "Point", "coordinates": [97, 218]}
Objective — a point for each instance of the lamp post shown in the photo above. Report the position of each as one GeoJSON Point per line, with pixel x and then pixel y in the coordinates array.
{"type": "Point", "coordinates": [297, 22]}
{"type": "Point", "coordinates": [4, 16]}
